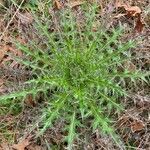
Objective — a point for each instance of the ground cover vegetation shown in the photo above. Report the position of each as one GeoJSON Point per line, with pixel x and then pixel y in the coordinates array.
{"type": "Point", "coordinates": [77, 72]}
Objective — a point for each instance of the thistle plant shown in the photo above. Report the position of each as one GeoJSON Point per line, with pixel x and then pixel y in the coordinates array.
{"type": "Point", "coordinates": [80, 72]}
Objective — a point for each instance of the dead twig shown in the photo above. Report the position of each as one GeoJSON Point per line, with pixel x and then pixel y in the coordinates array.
{"type": "Point", "coordinates": [11, 20]}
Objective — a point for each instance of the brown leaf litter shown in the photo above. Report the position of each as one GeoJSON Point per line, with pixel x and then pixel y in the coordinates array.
{"type": "Point", "coordinates": [5, 57]}
{"type": "Point", "coordinates": [137, 125]}
{"type": "Point", "coordinates": [72, 3]}
{"type": "Point", "coordinates": [131, 11]}
{"type": "Point", "coordinates": [25, 18]}
{"type": "Point", "coordinates": [75, 3]}
{"type": "Point", "coordinates": [58, 4]}
{"type": "Point", "coordinates": [22, 144]}
{"type": "Point", "coordinates": [29, 101]}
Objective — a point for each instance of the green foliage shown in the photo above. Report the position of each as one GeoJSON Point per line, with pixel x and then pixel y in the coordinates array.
{"type": "Point", "coordinates": [80, 72]}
